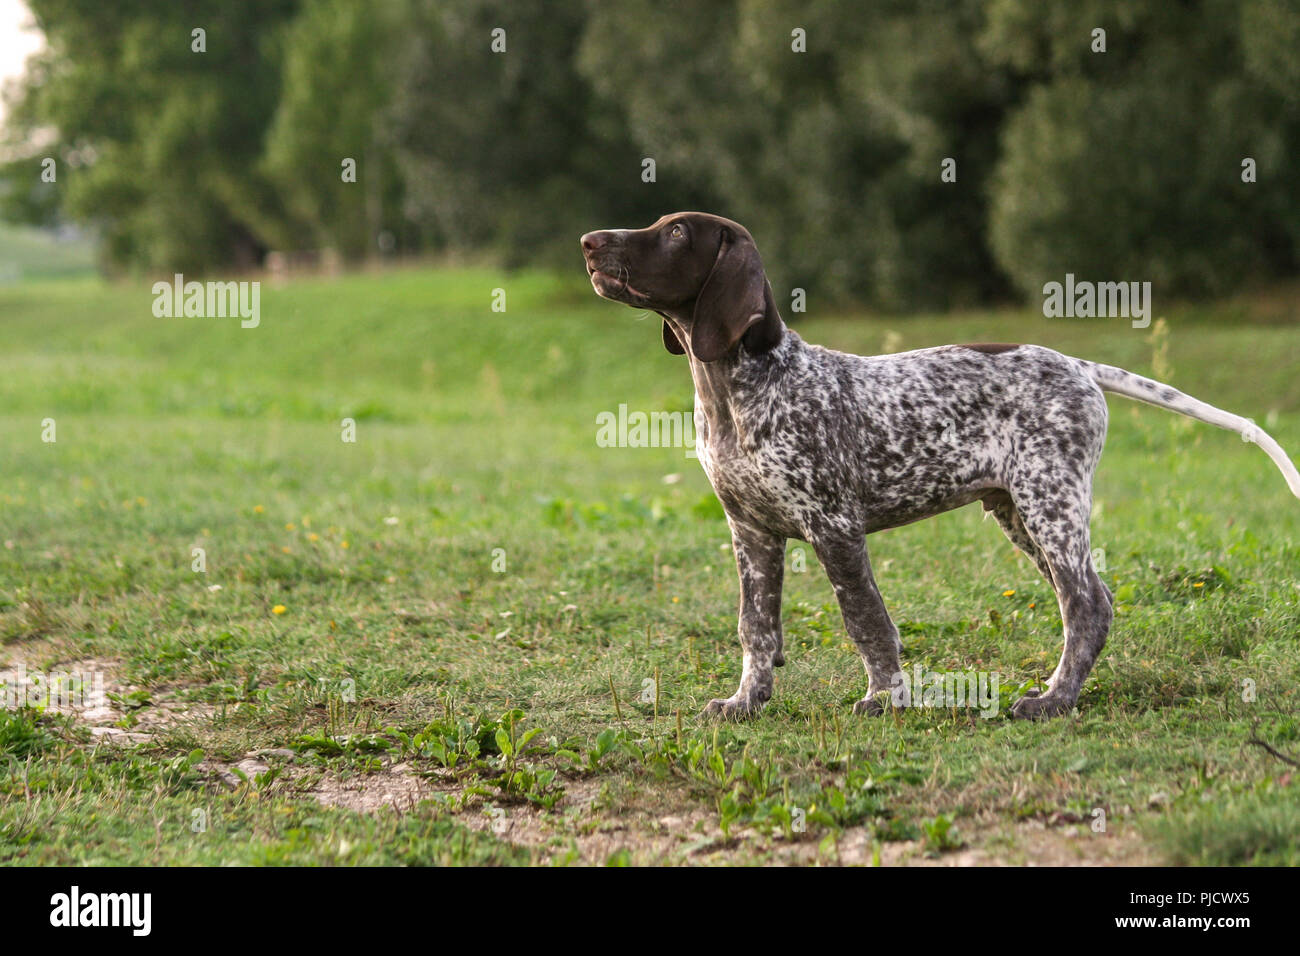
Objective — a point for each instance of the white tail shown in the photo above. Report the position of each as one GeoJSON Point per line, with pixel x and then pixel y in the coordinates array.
{"type": "Point", "coordinates": [1117, 380]}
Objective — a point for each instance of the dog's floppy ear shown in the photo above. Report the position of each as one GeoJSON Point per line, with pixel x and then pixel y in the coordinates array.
{"type": "Point", "coordinates": [735, 298]}
{"type": "Point", "coordinates": [671, 342]}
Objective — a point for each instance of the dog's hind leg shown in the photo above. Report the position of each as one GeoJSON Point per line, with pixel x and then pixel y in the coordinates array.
{"type": "Point", "coordinates": [1054, 509]}
{"type": "Point", "coordinates": [1003, 509]}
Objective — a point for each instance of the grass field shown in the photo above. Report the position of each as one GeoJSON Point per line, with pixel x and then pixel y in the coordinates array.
{"type": "Point", "coordinates": [474, 636]}
{"type": "Point", "coordinates": [27, 253]}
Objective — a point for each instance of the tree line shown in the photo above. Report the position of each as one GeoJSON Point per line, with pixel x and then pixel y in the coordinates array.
{"type": "Point", "coordinates": [916, 154]}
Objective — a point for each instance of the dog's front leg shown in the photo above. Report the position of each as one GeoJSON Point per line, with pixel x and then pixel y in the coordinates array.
{"type": "Point", "coordinates": [865, 618]}
{"type": "Point", "coordinates": [760, 561]}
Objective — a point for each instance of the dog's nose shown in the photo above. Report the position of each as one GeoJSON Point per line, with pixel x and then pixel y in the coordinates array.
{"type": "Point", "coordinates": [593, 241]}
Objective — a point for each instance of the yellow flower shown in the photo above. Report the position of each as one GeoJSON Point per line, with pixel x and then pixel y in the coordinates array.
{"type": "Point", "coordinates": [258, 509]}
{"type": "Point", "coordinates": [289, 526]}
{"type": "Point", "coordinates": [345, 546]}
{"type": "Point", "coordinates": [279, 609]}
{"type": "Point", "coordinates": [1009, 592]}
{"type": "Point", "coordinates": [1199, 584]}
{"type": "Point", "coordinates": [313, 536]}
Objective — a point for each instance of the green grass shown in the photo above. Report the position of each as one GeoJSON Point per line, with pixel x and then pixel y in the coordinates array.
{"type": "Point", "coordinates": [403, 662]}
{"type": "Point", "coordinates": [27, 253]}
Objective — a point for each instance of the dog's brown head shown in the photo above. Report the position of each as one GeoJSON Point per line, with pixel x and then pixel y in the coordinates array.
{"type": "Point", "coordinates": [702, 273]}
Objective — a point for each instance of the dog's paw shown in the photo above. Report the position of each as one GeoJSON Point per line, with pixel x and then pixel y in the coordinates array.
{"type": "Point", "coordinates": [869, 707]}
{"type": "Point", "coordinates": [873, 705]}
{"type": "Point", "coordinates": [732, 708]}
{"type": "Point", "coordinates": [1040, 707]}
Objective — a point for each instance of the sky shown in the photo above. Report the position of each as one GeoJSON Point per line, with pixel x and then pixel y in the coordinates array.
{"type": "Point", "coordinates": [16, 42]}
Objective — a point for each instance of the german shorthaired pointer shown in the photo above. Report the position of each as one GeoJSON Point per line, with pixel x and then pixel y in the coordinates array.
{"type": "Point", "coordinates": [803, 442]}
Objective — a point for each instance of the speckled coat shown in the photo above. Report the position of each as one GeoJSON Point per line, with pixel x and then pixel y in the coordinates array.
{"type": "Point", "coordinates": [800, 441]}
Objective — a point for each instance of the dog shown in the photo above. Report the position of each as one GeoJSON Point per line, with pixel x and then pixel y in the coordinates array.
{"type": "Point", "coordinates": [799, 441]}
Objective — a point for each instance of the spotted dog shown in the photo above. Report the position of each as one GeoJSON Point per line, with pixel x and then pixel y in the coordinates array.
{"type": "Point", "coordinates": [803, 442]}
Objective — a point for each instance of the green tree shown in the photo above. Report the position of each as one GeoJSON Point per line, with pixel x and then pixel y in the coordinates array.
{"type": "Point", "coordinates": [333, 107]}
{"type": "Point", "coordinates": [512, 149]}
{"type": "Point", "coordinates": [831, 156]}
{"type": "Point", "coordinates": [157, 145]}
{"type": "Point", "coordinates": [1127, 164]}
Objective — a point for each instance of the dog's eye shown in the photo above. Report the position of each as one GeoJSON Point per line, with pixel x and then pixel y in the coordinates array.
{"type": "Point", "coordinates": [678, 232]}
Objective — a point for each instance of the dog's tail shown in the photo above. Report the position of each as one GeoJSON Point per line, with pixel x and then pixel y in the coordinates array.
{"type": "Point", "coordinates": [1117, 380]}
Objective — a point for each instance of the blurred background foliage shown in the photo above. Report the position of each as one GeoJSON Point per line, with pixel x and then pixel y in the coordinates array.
{"type": "Point", "coordinates": [1117, 165]}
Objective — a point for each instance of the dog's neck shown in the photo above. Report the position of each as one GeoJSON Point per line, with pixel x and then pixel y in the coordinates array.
{"type": "Point", "coordinates": [713, 379]}
{"type": "Point", "coordinates": [761, 351]}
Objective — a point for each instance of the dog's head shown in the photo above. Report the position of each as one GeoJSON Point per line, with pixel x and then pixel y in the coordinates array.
{"type": "Point", "coordinates": [702, 273]}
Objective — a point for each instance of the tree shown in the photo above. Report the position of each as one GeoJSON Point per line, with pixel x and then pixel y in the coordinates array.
{"type": "Point", "coordinates": [327, 149]}
{"type": "Point", "coordinates": [512, 148]}
{"type": "Point", "coordinates": [1128, 164]}
{"type": "Point", "coordinates": [157, 144]}
{"type": "Point", "coordinates": [831, 156]}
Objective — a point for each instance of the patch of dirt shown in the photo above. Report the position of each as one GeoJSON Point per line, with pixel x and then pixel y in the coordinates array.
{"type": "Point", "coordinates": [396, 786]}
{"type": "Point", "coordinates": [90, 690]}
{"type": "Point", "coordinates": [1030, 843]}
{"type": "Point", "coordinates": [589, 826]}
{"type": "Point", "coordinates": [583, 823]}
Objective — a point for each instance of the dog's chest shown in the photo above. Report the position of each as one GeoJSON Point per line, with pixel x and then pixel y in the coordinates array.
{"type": "Point", "coordinates": [758, 472]}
